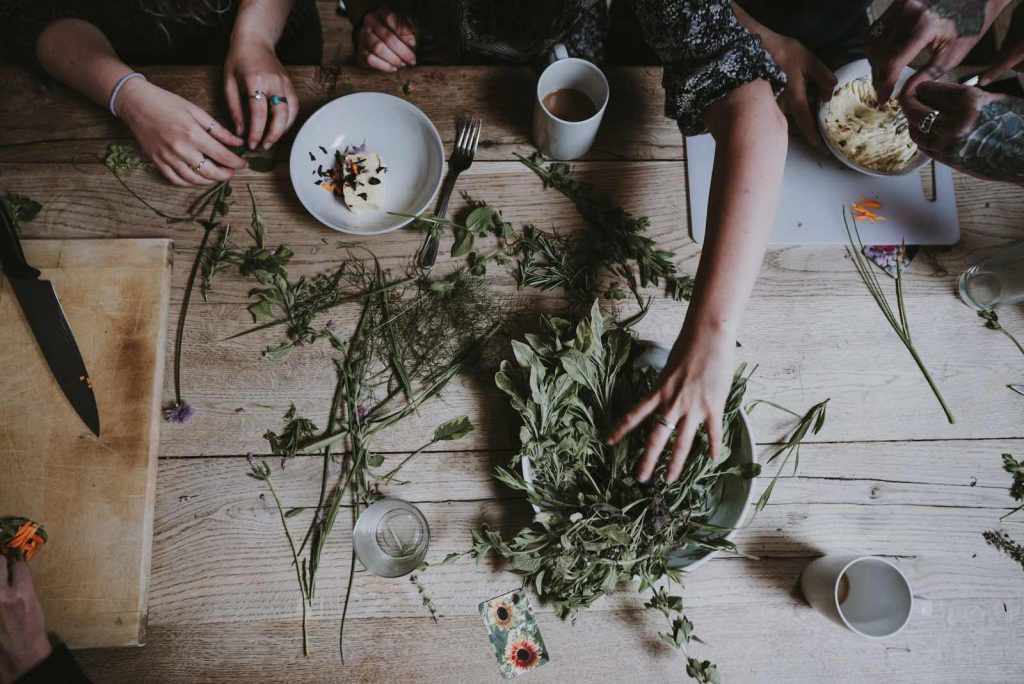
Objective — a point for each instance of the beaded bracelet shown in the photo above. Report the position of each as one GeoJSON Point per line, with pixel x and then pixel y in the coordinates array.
{"type": "Point", "coordinates": [117, 89]}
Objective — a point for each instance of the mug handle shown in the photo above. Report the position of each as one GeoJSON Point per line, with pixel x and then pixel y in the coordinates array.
{"type": "Point", "coordinates": [558, 51]}
{"type": "Point", "coordinates": [922, 606]}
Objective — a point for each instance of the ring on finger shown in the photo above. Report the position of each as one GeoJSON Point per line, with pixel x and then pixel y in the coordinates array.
{"type": "Point", "coordinates": [277, 99]}
{"type": "Point", "coordinates": [213, 124]}
{"type": "Point", "coordinates": [928, 121]}
{"type": "Point", "coordinates": [658, 419]}
{"type": "Point", "coordinates": [258, 95]}
{"type": "Point", "coordinates": [195, 167]}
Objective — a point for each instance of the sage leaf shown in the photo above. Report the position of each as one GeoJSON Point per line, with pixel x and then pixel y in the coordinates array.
{"type": "Point", "coordinates": [456, 428]}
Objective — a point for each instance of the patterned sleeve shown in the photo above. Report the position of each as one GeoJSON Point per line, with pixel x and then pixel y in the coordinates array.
{"type": "Point", "coordinates": [706, 54]}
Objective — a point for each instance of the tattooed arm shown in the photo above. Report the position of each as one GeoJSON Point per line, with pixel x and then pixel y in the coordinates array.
{"type": "Point", "coordinates": [976, 132]}
{"type": "Point", "coordinates": [949, 28]}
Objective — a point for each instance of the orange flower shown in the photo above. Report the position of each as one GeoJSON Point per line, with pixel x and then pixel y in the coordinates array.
{"type": "Point", "coordinates": [523, 654]}
{"type": "Point", "coordinates": [864, 210]}
{"type": "Point", "coordinates": [26, 541]}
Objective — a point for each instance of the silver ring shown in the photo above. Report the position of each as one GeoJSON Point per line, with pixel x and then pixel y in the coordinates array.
{"type": "Point", "coordinates": [198, 166]}
{"type": "Point", "coordinates": [258, 95]}
{"type": "Point", "coordinates": [877, 29]}
{"type": "Point", "coordinates": [928, 121]}
{"type": "Point", "coordinates": [212, 125]}
{"type": "Point", "coordinates": [659, 419]}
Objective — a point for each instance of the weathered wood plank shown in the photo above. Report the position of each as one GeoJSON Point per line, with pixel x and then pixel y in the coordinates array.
{"type": "Point", "coordinates": [64, 124]}
{"type": "Point", "coordinates": [973, 640]}
{"type": "Point", "coordinates": [219, 552]}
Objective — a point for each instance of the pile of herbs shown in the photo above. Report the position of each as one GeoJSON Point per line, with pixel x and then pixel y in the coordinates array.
{"type": "Point", "coordinates": [1002, 540]}
{"type": "Point", "coordinates": [597, 526]}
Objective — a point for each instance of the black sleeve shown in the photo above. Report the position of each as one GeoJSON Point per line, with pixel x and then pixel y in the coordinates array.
{"type": "Point", "coordinates": [21, 22]}
{"type": "Point", "coordinates": [58, 668]}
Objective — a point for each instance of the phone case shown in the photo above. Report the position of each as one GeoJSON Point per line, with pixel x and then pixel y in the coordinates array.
{"type": "Point", "coordinates": [514, 634]}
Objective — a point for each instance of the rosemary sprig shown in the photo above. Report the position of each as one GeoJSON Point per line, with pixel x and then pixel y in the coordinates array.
{"type": "Point", "coordinates": [899, 322]}
{"type": "Point", "coordinates": [992, 323]}
{"type": "Point", "coordinates": [1002, 540]}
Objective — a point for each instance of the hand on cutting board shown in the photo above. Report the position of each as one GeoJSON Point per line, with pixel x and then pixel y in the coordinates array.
{"type": "Point", "coordinates": [949, 28]}
{"type": "Point", "coordinates": [23, 640]}
{"type": "Point", "coordinates": [185, 143]}
{"type": "Point", "coordinates": [976, 132]}
{"type": "Point", "coordinates": [386, 42]}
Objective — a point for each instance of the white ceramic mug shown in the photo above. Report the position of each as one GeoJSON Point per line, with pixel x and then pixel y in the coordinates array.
{"type": "Point", "coordinates": [878, 600]}
{"type": "Point", "coordinates": [557, 138]}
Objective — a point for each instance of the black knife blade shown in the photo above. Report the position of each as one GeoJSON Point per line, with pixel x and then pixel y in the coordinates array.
{"type": "Point", "coordinates": [46, 319]}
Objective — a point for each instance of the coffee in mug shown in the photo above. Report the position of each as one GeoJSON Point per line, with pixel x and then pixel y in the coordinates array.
{"type": "Point", "coordinates": [569, 104]}
{"type": "Point", "coordinates": [570, 100]}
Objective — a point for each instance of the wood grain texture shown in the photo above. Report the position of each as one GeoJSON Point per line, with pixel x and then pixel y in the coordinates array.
{"type": "Point", "coordinates": [94, 495]}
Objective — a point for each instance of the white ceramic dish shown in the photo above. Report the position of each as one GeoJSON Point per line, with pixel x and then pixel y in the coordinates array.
{"type": "Point", "coordinates": [736, 494]}
{"type": "Point", "coordinates": [851, 72]}
{"type": "Point", "coordinates": [403, 136]}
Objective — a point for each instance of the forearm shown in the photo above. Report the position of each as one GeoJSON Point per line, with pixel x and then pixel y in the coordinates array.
{"type": "Point", "coordinates": [751, 140]}
{"type": "Point", "coordinates": [261, 21]}
{"type": "Point", "coordinates": [77, 54]}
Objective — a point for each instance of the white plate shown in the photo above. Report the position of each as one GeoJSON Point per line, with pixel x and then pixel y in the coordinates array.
{"type": "Point", "coordinates": [851, 72]}
{"type": "Point", "coordinates": [398, 131]}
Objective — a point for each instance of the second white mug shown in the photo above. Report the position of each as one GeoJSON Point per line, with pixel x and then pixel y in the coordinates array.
{"type": "Point", "coordinates": [557, 138]}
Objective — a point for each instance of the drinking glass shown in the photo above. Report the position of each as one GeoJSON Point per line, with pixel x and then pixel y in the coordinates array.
{"type": "Point", "coordinates": [997, 281]}
{"type": "Point", "coordinates": [391, 538]}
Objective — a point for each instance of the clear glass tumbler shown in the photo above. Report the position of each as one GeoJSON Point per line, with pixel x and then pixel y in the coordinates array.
{"type": "Point", "coordinates": [997, 281]}
{"type": "Point", "coordinates": [391, 537]}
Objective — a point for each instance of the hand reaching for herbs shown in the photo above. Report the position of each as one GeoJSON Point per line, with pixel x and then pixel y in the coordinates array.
{"type": "Point", "coordinates": [386, 42]}
{"type": "Point", "coordinates": [976, 132]}
{"type": "Point", "coordinates": [254, 74]}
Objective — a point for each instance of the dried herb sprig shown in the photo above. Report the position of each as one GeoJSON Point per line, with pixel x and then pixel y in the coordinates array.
{"type": "Point", "coordinates": [597, 526]}
{"type": "Point", "coordinates": [992, 323]}
{"type": "Point", "coordinates": [21, 208]}
{"type": "Point", "coordinates": [898, 319]}
{"type": "Point", "coordinates": [1002, 540]}
{"type": "Point", "coordinates": [428, 601]}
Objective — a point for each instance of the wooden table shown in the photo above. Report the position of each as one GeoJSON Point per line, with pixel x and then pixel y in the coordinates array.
{"type": "Point", "coordinates": [887, 476]}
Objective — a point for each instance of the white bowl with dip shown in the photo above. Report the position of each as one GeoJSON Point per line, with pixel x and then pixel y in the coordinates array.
{"type": "Point", "coordinates": [851, 72]}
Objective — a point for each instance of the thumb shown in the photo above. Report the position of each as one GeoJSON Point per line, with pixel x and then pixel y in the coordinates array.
{"type": "Point", "coordinates": [822, 77]}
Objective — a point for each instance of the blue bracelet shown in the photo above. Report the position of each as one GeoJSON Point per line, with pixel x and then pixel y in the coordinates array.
{"type": "Point", "coordinates": [117, 89]}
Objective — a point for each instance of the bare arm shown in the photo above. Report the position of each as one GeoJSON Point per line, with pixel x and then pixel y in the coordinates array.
{"type": "Point", "coordinates": [176, 134]}
{"type": "Point", "coordinates": [750, 133]}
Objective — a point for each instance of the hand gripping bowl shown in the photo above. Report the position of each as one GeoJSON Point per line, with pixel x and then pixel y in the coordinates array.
{"type": "Point", "coordinates": [851, 72]}
{"type": "Point", "coordinates": [734, 496]}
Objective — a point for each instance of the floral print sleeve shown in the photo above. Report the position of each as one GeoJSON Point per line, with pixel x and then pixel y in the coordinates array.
{"type": "Point", "coordinates": [706, 54]}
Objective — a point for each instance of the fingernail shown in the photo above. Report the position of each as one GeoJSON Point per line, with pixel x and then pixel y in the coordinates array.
{"type": "Point", "coordinates": [642, 479]}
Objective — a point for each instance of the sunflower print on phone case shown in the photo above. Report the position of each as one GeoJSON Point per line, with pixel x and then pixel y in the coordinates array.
{"type": "Point", "coordinates": [514, 634]}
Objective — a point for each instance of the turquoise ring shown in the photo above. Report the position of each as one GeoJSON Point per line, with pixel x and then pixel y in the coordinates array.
{"type": "Point", "coordinates": [277, 99]}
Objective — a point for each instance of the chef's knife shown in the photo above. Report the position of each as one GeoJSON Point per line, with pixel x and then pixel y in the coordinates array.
{"type": "Point", "coordinates": [45, 317]}
{"type": "Point", "coordinates": [1019, 389]}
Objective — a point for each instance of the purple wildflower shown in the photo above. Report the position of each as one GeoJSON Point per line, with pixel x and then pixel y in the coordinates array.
{"type": "Point", "coordinates": [179, 413]}
{"type": "Point", "coordinates": [330, 325]}
{"type": "Point", "coordinates": [298, 343]}
{"type": "Point", "coordinates": [362, 411]}
{"type": "Point", "coordinates": [251, 458]}
{"type": "Point", "coordinates": [319, 515]}
{"type": "Point", "coordinates": [284, 459]}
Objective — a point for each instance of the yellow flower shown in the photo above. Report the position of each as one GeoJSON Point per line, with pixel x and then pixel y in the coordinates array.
{"type": "Point", "coordinates": [501, 614]}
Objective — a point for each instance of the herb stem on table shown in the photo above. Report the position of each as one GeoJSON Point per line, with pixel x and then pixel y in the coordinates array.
{"type": "Point", "coordinates": [900, 325]}
{"type": "Point", "coordinates": [992, 323]}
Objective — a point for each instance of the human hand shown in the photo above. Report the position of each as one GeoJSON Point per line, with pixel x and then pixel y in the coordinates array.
{"type": "Point", "coordinates": [386, 42]}
{"type": "Point", "coordinates": [185, 143]}
{"type": "Point", "coordinates": [949, 28]}
{"type": "Point", "coordinates": [1011, 52]}
{"type": "Point", "coordinates": [976, 132]}
{"type": "Point", "coordinates": [691, 391]}
{"type": "Point", "coordinates": [23, 640]}
{"type": "Point", "coordinates": [802, 69]}
{"type": "Point", "coordinates": [253, 72]}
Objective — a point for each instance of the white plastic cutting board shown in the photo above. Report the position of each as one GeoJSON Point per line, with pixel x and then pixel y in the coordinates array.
{"type": "Point", "coordinates": [816, 187]}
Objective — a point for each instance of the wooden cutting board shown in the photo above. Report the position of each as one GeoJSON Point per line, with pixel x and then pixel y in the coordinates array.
{"type": "Point", "coordinates": [93, 495]}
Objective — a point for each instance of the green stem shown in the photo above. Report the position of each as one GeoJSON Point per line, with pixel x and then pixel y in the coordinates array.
{"type": "Point", "coordinates": [295, 559]}
{"type": "Point", "coordinates": [180, 332]}
{"type": "Point", "coordinates": [1012, 338]}
{"type": "Point", "coordinates": [931, 383]}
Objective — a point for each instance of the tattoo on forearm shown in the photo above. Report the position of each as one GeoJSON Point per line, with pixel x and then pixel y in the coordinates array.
{"type": "Point", "coordinates": [994, 147]}
{"type": "Point", "coordinates": [968, 16]}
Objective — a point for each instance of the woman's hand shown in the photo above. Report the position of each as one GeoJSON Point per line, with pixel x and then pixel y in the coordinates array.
{"type": "Point", "coordinates": [949, 28]}
{"type": "Point", "coordinates": [976, 132]}
{"type": "Point", "coordinates": [185, 143]}
{"type": "Point", "coordinates": [803, 70]}
{"type": "Point", "coordinates": [691, 392]}
{"type": "Point", "coordinates": [253, 73]}
{"type": "Point", "coordinates": [385, 41]}
{"type": "Point", "coordinates": [23, 641]}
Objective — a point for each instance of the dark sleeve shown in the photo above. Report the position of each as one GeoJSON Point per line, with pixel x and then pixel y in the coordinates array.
{"type": "Point", "coordinates": [706, 55]}
{"type": "Point", "coordinates": [21, 22]}
{"type": "Point", "coordinates": [58, 668]}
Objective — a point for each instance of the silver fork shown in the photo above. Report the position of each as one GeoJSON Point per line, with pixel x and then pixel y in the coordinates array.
{"type": "Point", "coordinates": [467, 136]}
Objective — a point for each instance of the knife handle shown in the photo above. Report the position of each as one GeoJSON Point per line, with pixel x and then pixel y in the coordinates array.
{"type": "Point", "coordinates": [12, 258]}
